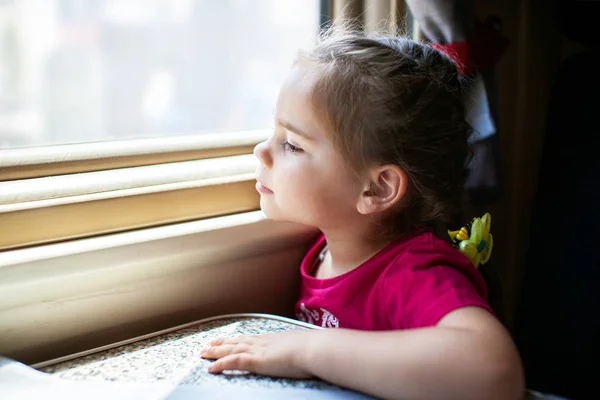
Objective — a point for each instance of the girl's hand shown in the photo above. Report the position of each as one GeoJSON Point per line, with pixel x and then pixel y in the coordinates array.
{"type": "Point", "coordinates": [275, 354]}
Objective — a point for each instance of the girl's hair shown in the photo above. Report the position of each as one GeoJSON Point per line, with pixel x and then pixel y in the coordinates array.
{"type": "Point", "coordinates": [388, 99]}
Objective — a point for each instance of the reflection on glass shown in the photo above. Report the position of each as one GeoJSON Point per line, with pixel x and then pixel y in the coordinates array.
{"type": "Point", "coordinates": [74, 71]}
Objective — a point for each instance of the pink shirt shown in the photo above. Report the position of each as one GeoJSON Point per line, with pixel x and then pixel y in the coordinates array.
{"type": "Point", "coordinates": [411, 283]}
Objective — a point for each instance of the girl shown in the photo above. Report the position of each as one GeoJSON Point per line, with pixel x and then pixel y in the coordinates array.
{"type": "Point", "coordinates": [370, 146]}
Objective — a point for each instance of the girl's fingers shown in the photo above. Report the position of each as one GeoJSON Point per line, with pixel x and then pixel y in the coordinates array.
{"type": "Point", "coordinates": [223, 350]}
{"type": "Point", "coordinates": [240, 361]}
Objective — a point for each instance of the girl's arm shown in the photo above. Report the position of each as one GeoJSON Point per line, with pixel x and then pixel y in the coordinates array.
{"type": "Point", "coordinates": [468, 355]}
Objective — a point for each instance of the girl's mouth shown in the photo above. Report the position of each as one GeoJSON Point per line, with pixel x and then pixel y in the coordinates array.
{"type": "Point", "coordinates": [262, 188]}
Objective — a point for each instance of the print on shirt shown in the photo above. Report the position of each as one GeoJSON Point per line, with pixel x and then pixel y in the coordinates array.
{"type": "Point", "coordinates": [320, 317]}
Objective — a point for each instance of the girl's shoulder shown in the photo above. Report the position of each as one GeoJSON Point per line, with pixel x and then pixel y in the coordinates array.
{"type": "Point", "coordinates": [426, 256]}
{"type": "Point", "coordinates": [423, 245]}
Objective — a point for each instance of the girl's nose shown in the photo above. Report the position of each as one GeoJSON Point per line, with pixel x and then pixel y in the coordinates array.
{"type": "Point", "coordinates": [262, 152]}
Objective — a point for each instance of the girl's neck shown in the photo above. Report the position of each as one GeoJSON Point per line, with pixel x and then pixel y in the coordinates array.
{"type": "Point", "coordinates": [347, 250]}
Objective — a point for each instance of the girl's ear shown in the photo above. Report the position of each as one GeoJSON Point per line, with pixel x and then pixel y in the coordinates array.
{"type": "Point", "coordinates": [385, 187]}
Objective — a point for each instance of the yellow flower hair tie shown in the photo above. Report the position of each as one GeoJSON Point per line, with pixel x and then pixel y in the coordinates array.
{"type": "Point", "coordinates": [474, 240]}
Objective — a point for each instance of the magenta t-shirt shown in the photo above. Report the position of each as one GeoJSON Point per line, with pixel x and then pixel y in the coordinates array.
{"type": "Point", "coordinates": [411, 283]}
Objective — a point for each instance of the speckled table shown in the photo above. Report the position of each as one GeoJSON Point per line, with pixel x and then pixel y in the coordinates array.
{"type": "Point", "coordinates": [174, 357]}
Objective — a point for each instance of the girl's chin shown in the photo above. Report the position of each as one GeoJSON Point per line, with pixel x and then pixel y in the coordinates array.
{"type": "Point", "coordinates": [274, 214]}
{"type": "Point", "coordinates": [268, 210]}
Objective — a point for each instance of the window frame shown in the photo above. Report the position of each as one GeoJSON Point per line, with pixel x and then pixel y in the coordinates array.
{"type": "Point", "coordinates": [43, 161]}
{"type": "Point", "coordinates": [83, 204]}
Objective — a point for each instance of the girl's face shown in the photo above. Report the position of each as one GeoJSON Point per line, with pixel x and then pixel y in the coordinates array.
{"type": "Point", "coordinates": [302, 177]}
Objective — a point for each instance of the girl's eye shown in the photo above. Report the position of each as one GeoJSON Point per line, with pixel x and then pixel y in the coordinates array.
{"type": "Point", "coordinates": [290, 147]}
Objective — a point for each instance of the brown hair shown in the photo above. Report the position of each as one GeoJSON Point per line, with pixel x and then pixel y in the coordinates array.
{"type": "Point", "coordinates": [388, 99]}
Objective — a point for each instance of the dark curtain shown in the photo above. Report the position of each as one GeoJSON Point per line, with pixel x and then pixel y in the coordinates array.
{"type": "Point", "coordinates": [558, 317]}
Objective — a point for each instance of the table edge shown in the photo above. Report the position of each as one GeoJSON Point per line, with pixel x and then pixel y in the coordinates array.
{"type": "Point", "coordinates": [84, 353]}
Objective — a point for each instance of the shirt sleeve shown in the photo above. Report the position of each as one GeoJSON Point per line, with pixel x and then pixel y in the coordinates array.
{"type": "Point", "coordinates": [423, 286]}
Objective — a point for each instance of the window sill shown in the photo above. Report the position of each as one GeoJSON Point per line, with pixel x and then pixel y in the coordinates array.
{"type": "Point", "coordinates": [62, 298]}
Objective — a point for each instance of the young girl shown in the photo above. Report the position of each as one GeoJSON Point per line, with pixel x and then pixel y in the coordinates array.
{"type": "Point", "coordinates": [370, 146]}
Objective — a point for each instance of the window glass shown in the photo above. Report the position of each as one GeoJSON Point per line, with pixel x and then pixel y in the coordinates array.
{"type": "Point", "coordinates": [74, 71]}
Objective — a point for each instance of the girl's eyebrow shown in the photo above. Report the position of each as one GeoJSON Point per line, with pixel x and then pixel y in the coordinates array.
{"type": "Point", "coordinates": [292, 128]}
